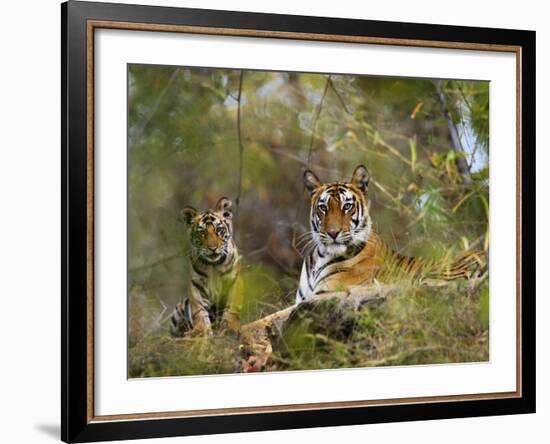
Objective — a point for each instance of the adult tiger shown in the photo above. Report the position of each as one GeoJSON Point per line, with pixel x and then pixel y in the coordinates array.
{"type": "Point", "coordinates": [347, 252]}
{"type": "Point", "coordinates": [214, 295]}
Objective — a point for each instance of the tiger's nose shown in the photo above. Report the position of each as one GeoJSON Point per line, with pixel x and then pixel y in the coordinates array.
{"type": "Point", "coordinates": [214, 248]}
{"type": "Point", "coordinates": [333, 233]}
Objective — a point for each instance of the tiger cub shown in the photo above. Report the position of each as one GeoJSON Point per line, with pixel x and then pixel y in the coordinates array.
{"type": "Point", "coordinates": [347, 252]}
{"type": "Point", "coordinates": [214, 295]}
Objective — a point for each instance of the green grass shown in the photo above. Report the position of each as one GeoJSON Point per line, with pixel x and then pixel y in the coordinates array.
{"type": "Point", "coordinates": [416, 325]}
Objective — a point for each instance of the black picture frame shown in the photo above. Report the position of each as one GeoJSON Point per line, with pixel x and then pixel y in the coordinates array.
{"type": "Point", "coordinates": [76, 423]}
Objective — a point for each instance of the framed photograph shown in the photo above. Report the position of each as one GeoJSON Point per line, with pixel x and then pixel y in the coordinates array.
{"type": "Point", "coordinates": [276, 221]}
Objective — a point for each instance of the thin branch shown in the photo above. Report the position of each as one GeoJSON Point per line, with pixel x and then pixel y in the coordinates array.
{"type": "Point", "coordinates": [316, 119]}
{"type": "Point", "coordinates": [394, 199]}
{"type": "Point", "coordinates": [461, 162]}
{"type": "Point", "coordinates": [310, 149]}
{"type": "Point", "coordinates": [152, 166]}
{"type": "Point", "coordinates": [154, 108]}
{"type": "Point", "coordinates": [463, 94]}
{"type": "Point", "coordinates": [340, 99]}
{"type": "Point", "coordinates": [393, 150]}
{"type": "Point", "coordinates": [274, 149]}
{"type": "Point", "coordinates": [156, 263]}
{"type": "Point", "coordinates": [240, 141]}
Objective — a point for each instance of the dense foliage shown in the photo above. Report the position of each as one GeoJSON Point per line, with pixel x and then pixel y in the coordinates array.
{"type": "Point", "coordinates": [196, 134]}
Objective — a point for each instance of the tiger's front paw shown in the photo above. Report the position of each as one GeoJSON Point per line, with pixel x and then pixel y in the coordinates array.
{"type": "Point", "coordinates": [231, 323]}
{"type": "Point", "coordinates": [198, 331]}
{"type": "Point", "coordinates": [180, 321]}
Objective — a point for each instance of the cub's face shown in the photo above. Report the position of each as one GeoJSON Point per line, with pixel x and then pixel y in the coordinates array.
{"type": "Point", "coordinates": [339, 215]}
{"type": "Point", "coordinates": [210, 232]}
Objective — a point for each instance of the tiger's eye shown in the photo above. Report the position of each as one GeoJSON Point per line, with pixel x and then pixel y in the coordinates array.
{"type": "Point", "coordinates": [348, 207]}
{"type": "Point", "coordinates": [323, 208]}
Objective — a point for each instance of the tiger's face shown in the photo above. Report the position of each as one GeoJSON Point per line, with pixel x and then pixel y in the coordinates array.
{"type": "Point", "coordinates": [210, 232]}
{"type": "Point", "coordinates": [339, 215]}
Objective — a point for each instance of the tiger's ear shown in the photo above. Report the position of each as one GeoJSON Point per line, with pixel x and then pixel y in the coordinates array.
{"type": "Point", "coordinates": [225, 207]}
{"type": "Point", "coordinates": [361, 178]}
{"type": "Point", "coordinates": [187, 214]}
{"type": "Point", "coordinates": [311, 181]}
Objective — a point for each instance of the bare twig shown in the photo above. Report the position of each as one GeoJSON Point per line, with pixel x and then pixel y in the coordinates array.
{"type": "Point", "coordinates": [394, 199]}
{"type": "Point", "coordinates": [340, 99]}
{"type": "Point", "coordinates": [284, 153]}
{"type": "Point", "coordinates": [154, 108]}
{"type": "Point", "coordinates": [316, 119]}
{"type": "Point", "coordinates": [156, 263]}
{"type": "Point", "coordinates": [463, 94]}
{"type": "Point", "coordinates": [240, 141]}
{"type": "Point", "coordinates": [461, 162]}
{"type": "Point", "coordinates": [310, 149]}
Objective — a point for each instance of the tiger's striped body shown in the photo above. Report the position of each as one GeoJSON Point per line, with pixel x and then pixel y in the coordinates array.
{"type": "Point", "coordinates": [214, 294]}
{"type": "Point", "coordinates": [347, 252]}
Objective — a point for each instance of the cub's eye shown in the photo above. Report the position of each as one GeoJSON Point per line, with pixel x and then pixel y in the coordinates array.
{"type": "Point", "coordinates": [323, 208]}
{"type": "Point", "coordinates": [348, 207]}
{"type": "Point", "coordinates": [221, 231]}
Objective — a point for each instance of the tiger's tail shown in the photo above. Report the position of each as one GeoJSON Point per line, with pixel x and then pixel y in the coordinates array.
{"type": "Point", "coordinates": [448, 268]}
{"type": "Point", "coordinates": [466, 266]}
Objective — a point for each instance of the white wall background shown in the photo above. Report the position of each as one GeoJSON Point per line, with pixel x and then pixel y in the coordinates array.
{"type": "Point", "coordinates": [30, 221]}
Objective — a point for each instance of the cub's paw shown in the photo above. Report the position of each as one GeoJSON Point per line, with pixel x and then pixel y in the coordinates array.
{"type": "Point", "coordinates": [200, 331]}
{"type": "Point", "coordinates": [180, 321]}
{"type": "Point", "coordinates": [230, 324]}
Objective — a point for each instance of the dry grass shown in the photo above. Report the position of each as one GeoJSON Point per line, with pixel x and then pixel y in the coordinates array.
{"type": "Point", "coordinates": [416, 325]}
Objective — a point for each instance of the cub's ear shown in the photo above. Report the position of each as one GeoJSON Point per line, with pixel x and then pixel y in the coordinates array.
{"type": "Point", "coordinates": [361, 178]}
{"type": "Point", "coordinates": [187, 214]}
{"type": "Point", "coordinates": [225, 207]}
{"type": "Point", "coordinates": [311, 181]}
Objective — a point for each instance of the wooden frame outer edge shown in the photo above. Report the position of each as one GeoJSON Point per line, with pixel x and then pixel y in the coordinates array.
{"type": "Point", "coordinates": [90, 186]}
{"type": "Point", "coordinates": [105, 24]}
{"type": "Point", "coordinates": [234, 32]}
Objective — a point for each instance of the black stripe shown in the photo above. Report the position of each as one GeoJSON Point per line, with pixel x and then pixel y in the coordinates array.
{"type": "Point", "coordinates": [229, 266]}
{"type": "Point", "coordinates": [403, 261]}
{"type": "Point", "coordinates": [180, 311]}
{"type": "Point", "coordinates": [331, 273]}
{"type": "Point", "coordinates": [229, 270]}
{"type": "Point", "coordinates": [354, 250]}
{"type": "Point", "coordinates": [315, 224]}
{"type": "Point", "coordinates": [199, 287]}
{"type": "Point", "coordinates": [199, 272]}
{"type": "Point", "coordinates": [308, 265]}
{"type": "Point", "coordinates": [412, 262]}
{"type": "Point", "coordinates": [308, 270]}
{"type": "Point", "coordinates": [189, 315]}
{"type": "Point", "coordinates": [331, 262]}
